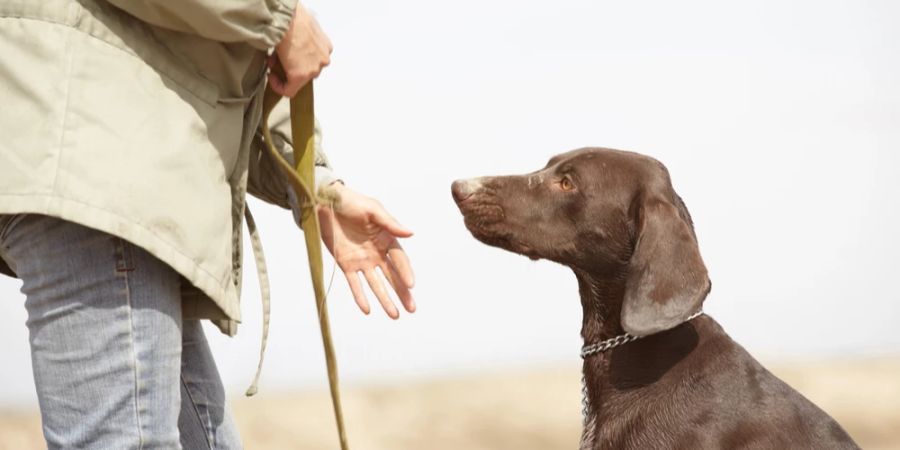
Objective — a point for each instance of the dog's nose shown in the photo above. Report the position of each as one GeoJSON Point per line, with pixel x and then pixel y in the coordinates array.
{"type": "Point", "coordinates": [463, 189]}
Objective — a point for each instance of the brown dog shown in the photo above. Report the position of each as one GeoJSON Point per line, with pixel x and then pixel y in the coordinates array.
{"type": "Point", "coordinates": [615, 220]}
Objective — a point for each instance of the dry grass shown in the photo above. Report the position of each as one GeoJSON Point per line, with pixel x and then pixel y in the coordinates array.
{"type": "Point", "coordinates": [522, 411]}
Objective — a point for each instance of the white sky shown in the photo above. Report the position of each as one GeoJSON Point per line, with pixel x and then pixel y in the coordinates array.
{"type": "Point", "coordinates": [779, 121]}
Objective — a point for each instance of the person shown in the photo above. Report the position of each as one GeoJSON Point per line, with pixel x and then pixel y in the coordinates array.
{"type": "Point", "coordinates": [129, 144]}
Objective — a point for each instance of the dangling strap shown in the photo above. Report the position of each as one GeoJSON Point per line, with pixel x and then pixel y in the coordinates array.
{"type": "Point", "coordinates": [263, 273]}
{"type": "Point", "coordinates": [302, 180]}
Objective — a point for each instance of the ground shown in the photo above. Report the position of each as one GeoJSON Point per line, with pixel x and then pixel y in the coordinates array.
{"type": "Point", "coordinates": [529, 410]}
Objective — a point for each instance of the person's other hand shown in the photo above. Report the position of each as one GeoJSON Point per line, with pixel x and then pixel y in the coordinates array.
{"type": "Point", "coordinates": [303, 52]}
{"type": "Point", "coordinates": [362, 237]}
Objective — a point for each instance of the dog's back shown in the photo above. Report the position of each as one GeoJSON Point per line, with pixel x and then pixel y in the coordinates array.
{"type": "Point", "coordinates": [712, 395]}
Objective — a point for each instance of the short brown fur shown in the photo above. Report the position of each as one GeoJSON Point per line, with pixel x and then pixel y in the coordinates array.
{"type": "Point", "coordinates": [615, 220]}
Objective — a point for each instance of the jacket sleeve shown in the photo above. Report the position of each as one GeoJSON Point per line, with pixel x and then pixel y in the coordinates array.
{"type": "Point", "coordinates": [265, 180]}
{"type": "Point", "coordinates": [260, 23]}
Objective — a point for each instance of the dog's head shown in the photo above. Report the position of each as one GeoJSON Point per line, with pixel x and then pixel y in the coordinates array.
{"type": "Point", "coordinates": [608, 213]}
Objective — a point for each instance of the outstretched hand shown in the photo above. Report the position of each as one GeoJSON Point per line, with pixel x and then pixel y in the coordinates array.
{"type": "Point", "coordinates": [362, 237]}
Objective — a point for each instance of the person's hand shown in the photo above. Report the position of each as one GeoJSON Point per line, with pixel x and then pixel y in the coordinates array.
{"type": "Point", "coordinates": [362, 237]}
{"type": "Point", "coordinates": [303, 52]}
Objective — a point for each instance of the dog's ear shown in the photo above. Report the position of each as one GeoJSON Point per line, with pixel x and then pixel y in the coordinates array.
{"type": "Point", "coordinates": [667, 280]}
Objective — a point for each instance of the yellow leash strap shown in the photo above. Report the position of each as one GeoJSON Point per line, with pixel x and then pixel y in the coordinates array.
{"type": "Point", "coordinates": [262, 272]}
{"type": "Point", "coordinates": [302, 180]}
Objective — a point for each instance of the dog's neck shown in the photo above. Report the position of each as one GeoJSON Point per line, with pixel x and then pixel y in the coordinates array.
{"type": "Point", "coordinates": [609, 380]}
{"type": "Point", "coordinates": [601, 303]}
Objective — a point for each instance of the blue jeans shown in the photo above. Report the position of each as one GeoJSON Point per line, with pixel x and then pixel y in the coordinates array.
{"type": "Point", "coordinates": [115, 365]}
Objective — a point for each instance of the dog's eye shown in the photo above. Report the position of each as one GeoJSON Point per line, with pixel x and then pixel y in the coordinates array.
{"type": "Point", "coordinates": [566, 184]}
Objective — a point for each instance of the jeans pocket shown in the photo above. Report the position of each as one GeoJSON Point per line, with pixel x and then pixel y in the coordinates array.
{"type": "Point", "coordinates": [7, 222]}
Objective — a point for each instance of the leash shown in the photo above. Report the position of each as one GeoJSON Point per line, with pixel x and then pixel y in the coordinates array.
{"type": "Point", "coordinates": [301, 177]}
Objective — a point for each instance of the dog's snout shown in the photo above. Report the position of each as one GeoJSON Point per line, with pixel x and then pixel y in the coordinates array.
{"type": "Point", "coordinates": [463, 189]}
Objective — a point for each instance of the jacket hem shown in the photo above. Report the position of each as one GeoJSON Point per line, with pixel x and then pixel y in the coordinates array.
{"type": "Point", "coordinates": [221, 292]}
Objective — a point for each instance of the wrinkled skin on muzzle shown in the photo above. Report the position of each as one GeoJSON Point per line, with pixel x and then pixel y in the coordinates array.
{"type": "Point", "coordinates": [574, 211]}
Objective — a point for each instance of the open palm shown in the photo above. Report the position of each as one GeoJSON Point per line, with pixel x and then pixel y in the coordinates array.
{"type": "Point", "coordinates": [362, 237]}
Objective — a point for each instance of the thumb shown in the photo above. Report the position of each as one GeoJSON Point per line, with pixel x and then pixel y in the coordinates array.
{"type": "Point", "coordinates": [382, 218]}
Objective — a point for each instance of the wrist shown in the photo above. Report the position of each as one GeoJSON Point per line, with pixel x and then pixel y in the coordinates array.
{"type": "Point", "coordinates": [337, 186]}
{"type": "Point", "coordinates": [332, 194]}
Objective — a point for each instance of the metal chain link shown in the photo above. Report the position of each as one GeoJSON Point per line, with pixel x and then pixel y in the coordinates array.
{"type": "Point", "coordinates": [585, 406]}
{"type": "Point", "coordinates": [603, 346]}
{"type": "Point", "coordinates": [600, 347]}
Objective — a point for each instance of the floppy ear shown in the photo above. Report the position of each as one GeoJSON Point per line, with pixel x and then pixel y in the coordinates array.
{"type": "Point", "coordinates": [667, 281]}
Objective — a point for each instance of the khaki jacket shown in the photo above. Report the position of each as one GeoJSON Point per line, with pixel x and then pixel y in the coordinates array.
{"type": "Point", "coordinates": [138, 118]}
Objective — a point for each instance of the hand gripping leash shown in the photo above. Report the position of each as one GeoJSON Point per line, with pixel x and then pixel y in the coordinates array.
{"type": "Point", "coordinates": [302, 180]}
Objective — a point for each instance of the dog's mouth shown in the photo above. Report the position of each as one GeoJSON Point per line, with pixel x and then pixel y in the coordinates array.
{"type": "Point", "coordinates": [485, 220]}
{"type": "Point", "coordinates": [506, 242]}
{"type": "Point", "coordinates": [481, 215]}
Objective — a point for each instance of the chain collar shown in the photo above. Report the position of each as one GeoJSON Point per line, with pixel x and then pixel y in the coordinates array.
{"type": "Point", "coordinates": [609, 344]}
{"type": "Point", "coordinates": [600, 347]}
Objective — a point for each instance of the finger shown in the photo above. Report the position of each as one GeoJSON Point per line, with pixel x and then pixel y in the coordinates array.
{"type": "Point", "coordinates": [406, 297]}
{"type": "Point", "coordinates": [293, 85]}
{"type": "Point", "coordinates": [381, 293]}
{"type": "Point", "coordinates": [276, 83]}
{"type": "Point", "coordinates": [297, 82]}
{"type": "Point", "coordinates": [358, 294]}
{"type": "Point", "coordinates": [322, 38]}
{"type": "Point", "coordinates": [400, 263]}
{"type": "Point", "coordinates": [383, 218]}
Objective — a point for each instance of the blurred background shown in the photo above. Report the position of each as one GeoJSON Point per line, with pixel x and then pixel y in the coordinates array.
{"type": "Point", "coordinates": [778, 120]}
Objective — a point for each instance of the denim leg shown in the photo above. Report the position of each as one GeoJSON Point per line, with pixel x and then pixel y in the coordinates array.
{"type": "Point", "coordinates": [205, 422]}
{"type": "Point", "coordinates": [104, 321]}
